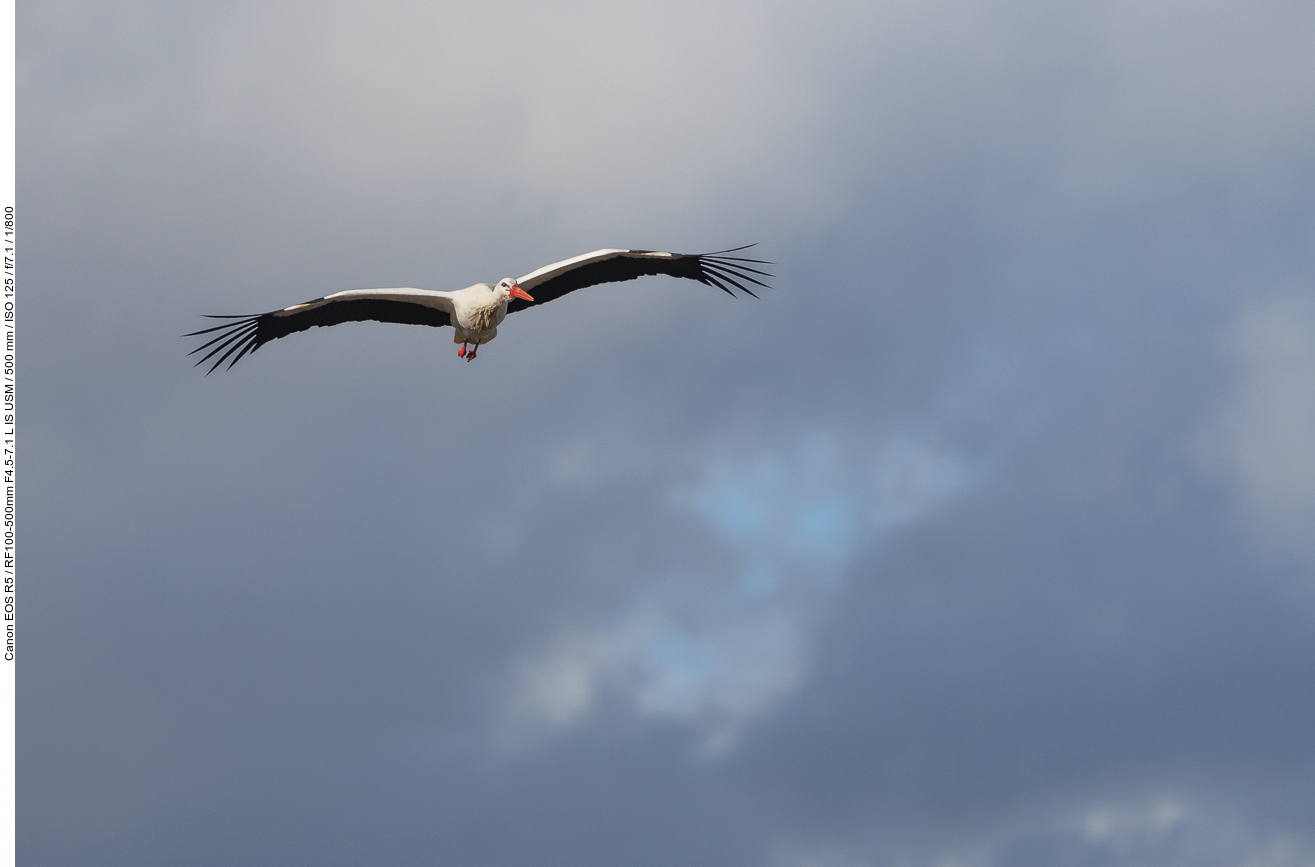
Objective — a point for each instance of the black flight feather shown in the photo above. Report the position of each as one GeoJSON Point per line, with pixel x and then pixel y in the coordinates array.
{"type": "Point", "coordinates": [712, 269]}
{"type": "Point", "coordinates": [249, 333]}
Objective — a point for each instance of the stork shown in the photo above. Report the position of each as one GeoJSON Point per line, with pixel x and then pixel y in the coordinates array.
{"type": "Point", "coordinates": [476, 311]}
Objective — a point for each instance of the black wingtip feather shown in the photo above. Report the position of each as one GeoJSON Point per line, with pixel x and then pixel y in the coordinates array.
{"type": "Point", "coordinates": [711, 279]}
{"type": "Point", "coordinates": [250, 346]}
{"type": "Point", "coordinates": [243, 340]}
{"type": "Point", "coordinates": [230, 340]}
{"type": "Point", "coordinates": [744, 269]}
{"type": "Point", "coordinates": [732, 250]}
{"type": "Point", "coordinates": [224, 336]}
{"type": "Point", "coordinates": [730, 270]}
{"type": "Point", "coordinates": [218, 327]}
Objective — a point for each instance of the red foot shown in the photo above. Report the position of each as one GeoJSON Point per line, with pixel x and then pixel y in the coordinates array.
{"type": "Point", "coordinates": [461, 353]}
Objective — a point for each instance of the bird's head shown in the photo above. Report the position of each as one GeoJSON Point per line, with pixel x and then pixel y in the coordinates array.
{"type": "Point", "coordinates": [509, 288]}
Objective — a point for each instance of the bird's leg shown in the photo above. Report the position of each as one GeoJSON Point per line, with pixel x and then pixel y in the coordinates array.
{"type": "Point", "coordinates": [471, 357]}
{"type": "Point", "coordinates": [461, 353]}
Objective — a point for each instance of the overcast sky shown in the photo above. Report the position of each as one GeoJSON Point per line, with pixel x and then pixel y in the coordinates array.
{"type": "Point", "coordinates": [983, 538]}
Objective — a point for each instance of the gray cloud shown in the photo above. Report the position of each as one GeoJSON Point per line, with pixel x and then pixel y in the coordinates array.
{"type": "Point", "coordinates": [974, 541]}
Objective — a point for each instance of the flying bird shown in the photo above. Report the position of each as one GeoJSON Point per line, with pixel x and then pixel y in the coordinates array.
{"type": "Point", "coordinates": [476, 311]}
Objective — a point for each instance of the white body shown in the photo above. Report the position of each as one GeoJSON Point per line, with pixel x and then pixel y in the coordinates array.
{"type": "Point", "coordinates": [477, 311]}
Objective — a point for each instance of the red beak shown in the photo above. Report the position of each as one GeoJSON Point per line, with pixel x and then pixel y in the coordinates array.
{"type": "Point", "coordinates": [518, 292]}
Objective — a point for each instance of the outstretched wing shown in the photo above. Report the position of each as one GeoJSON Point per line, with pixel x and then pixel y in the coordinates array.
{"type": "Point", "coordinates": [245, 334]}
{"type": "Point", "coordinates": [612, 266]}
